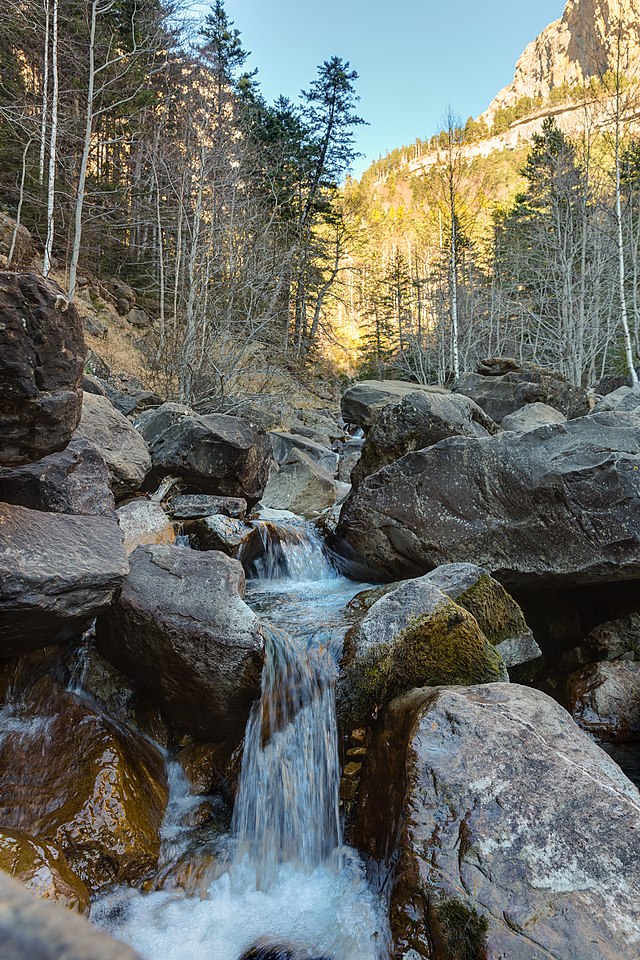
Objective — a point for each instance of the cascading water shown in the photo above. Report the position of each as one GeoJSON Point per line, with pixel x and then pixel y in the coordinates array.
{"type": "Point", "coordinates": [282, 878]}
{"type": "Point", "coordinates": [287, 808]}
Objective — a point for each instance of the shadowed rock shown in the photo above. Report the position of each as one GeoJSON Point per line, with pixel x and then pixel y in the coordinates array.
{"type": "Point", "coordinates": [41, 362]}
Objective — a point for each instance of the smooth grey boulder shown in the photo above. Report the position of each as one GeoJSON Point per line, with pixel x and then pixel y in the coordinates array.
{"type": "Point", "coordinates": [554, 507]}
{"type": "Point", "coordinates": [503, 830]}
{"type": "Point", "coordinates": [33, 929]}
{"type": "Point", "coordinates": [181, 629]}
{"type": "Point", "coordinates": [42, 355]}
{"type": "Point", "coordinates": [419, 420]}
{"type": "Point", "coordinates": [215, 454]}
{"type": "Point", "coordinates": [284, 443]}
{"type": "Point", "coordinates": [623, 399]}
{"type": "Point", "coordinates": [194, 506]}
{"type": "Point", "coordinates": [604, 699]}
{"type": "Point", "coordinates": [503, 386]}
{"type": "Point", "coordinates": [411, 636]}
{"type": "Point", "coordinates": [75, 480]}
{"type": "Point", "coordinates": [301, 486]}
{"type": "Point", "coordinates": [531, 417]}
{"type": "Point", "coordinates": [363, 401]}
{"type": "Point", "coordinates": [56, 573]}
{"type": "Point", "coordinates": [122, 447]}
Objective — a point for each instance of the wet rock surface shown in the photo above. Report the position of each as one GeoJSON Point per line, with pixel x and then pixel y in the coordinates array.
{"type": "Point", "coordinates": [556, 506]}
{"type": "Point", "coordinates": [516, 834]}
{"type": "Point", "coordinates": [215, 454]}
{"type": "Point", "coordinates": [181, 630]}
{"type": "Point", "coordinates": [41, 362]}
{"type": "Point", "coordinates": [235, 538]}
{"type": "Point", "coordinates": [503, 386]}
{"type": "Point", "coordinates": [419, 420]}
{"type": "Point", "coordinates": [42, 868]}
{"type": "Point", "coordinates": [99, 793]}
{"type": "Point", "coordinates": [122, 447]}
{"type": "Point", "coordinates": [75, 480]}
{"type": "Point", "coordinates": [56, 573]}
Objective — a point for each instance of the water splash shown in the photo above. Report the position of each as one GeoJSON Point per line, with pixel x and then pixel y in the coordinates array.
{"type": "Point", "coordinates": [291, 549]}
{"type": "Point", "coordinates": [287, 807]}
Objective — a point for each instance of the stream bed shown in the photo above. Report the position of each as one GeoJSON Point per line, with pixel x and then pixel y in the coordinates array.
{"type": "Point", "coordinates": [279, 875]}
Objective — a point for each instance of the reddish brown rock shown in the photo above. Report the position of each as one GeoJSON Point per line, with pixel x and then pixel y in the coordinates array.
{"type": "Point", "coordinates": [42, 867]}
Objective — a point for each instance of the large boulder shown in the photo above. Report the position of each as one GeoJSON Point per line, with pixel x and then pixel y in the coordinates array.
{"type": "Point", "coordinates": [214, 454]}
{"type": "Point", "coordinates": [42, 867]}
{"type": "Point", "coordinates": [505, 831]}
{"type": "Point", "coordinates": [181, 630]}
{"type": "Point", "coordinates": [236, 538]}
{"type": "Point", "coordinates": [70, 776]}
{"type": "Point", "coordinates": [75, 480]}
{"type": "Point", "coordinates": [413, 636]}
{"type": "Point", "coordinates": [122, 447]}
{"type": "Point", "coordinates": [41, 362]}
{"type": "Point", "coordinates": [556, 506]}
{"type": "Point", "coordinates": [301, 486]}
{"type": "Point", "coordinates": [604, 699]}
{"type": "Point", "coordinates": [363, 401]}
{"type": "Point", "coordinates": [43, 931]}
{"type": "Point", "coordinates": [56, 573]}
{"type": "Point", "coordinates": [284, 443]}
{"type": "Point", "coordinates": [419, 420]}
{"type": "Point", "coordinates": [23, 248]}
{"type": "Point", "coordinates": [613, 640]}
{"type": "Point", "coordinates": [502, 386]}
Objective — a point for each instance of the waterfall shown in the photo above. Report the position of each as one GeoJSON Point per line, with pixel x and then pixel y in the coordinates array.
{"type": "Point", "coordinates": [287, 807]}
{"type": "Point", "coordinates": [292, 550]}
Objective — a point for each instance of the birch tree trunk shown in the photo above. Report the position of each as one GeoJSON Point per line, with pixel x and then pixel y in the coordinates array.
{"type": "Point", "coordinates": [51, 186]}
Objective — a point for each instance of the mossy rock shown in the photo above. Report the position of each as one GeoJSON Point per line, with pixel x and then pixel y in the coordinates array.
{"type": "Point", "coordinates": [458, 931]}
{"type": "Point", "coordinates": [413, 637]}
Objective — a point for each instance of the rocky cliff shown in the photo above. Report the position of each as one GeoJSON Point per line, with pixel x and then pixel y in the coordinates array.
{"type": "Point", "coordinates": [582, 44]}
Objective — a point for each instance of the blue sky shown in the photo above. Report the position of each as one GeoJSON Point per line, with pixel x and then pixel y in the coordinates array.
{"type": "Point", "coordinates": [414, 57]}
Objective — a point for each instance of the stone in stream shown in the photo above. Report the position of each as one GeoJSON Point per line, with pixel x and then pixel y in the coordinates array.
{"type": "Point", "coordinates": [503, 829]}
{"type": "Point", "coordinates": [194, 506]}
{"type": "Point", "coordinates": [95, 790]}
{"type": "Point", "coordinates": [41, 362]}
{"type": "Point", "coordinates": [236, 538]}
{"type": "Point", "coordinates": [503, 385]}
{"type": "Point", "coordinates": [144, 521]}
{"type": "Point", "coordinates": [122, 447]}
{"type": "Point", "coordinates": [75, 480]}
{"type": "Point", "coordinates": [42, 868]}
{"type": "Point", "coordinates": [182, 631]}
{"type": "Point", "coordinates": [56, 573]}
{"type": "Point", "coordinates": [31, 929]}
{"type": "Point", "coordinates": [301, 486]}
{"type": "Point", "coordinates": [284, 443]}
{"type": "Point", "coordinates": [214, 454]}
{"type": "Point", "coordinates": [604, 699]}
{"type": "Point", "coordinates": [558, 506]}
{"type": "Point", "coordinates": [412, 636]}
{"type": "Point", "coordinates": [419, 420]}
{"type": "Point", "coordinates": [363, 401]}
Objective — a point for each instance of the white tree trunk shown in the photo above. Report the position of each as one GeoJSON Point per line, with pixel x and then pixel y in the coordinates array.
{"type": "Point", "coordinates": [45, 95]}
{"type": "Point", "coordinates": [84, 163]}
{"type": "Point", "coordinates": [51, 186]}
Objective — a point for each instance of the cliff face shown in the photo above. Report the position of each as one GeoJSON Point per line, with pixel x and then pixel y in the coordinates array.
{"type": "Point", "coordinates": [581, 45]}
